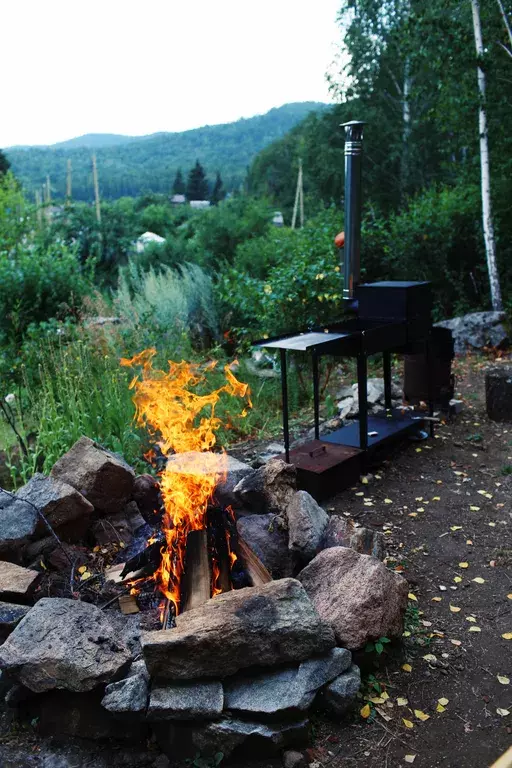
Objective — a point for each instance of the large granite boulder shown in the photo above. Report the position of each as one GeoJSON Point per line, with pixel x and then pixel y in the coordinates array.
{"type": "Point", "coordinates": [286, 691]}
{"type": "Point", "coordinates": [66, 644]}
{"type": "Point", "coordinates": [186, 700]}
{"type": "Point", "coordinates": [357, 594]}
{"type": "Point", "coordinates": [103, 477]}
{"type": "Point", "coordinates": [262, 626]}
{"type": "Point", "coordinates": [343, 533]}
{"type": "Point", "coordinates": [269, 488]}
{"type": "Point", "coordinates": [477, 330]}
{"type": "Point", "coordinates": [267, 536]}
{"type": "Point", "coordinates": [307, 522]}
{"type": "Point", "coordinates": [18, 523]}
{"type": "Point", "coordinates": [59, 502]}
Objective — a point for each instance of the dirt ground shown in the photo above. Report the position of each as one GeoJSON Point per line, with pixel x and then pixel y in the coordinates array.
{"type": "Point", "coordinates": [444, 506]}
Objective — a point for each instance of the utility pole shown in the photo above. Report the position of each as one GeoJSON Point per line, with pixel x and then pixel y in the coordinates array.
{"type": "Point", "coordinates": [299, 199]}
{"type": "Point", "coordinates": [68, 182]}
{"type": "Point", "coordinates": [487, 220]}
{"type": "Point", "coordinates": [96, 189]}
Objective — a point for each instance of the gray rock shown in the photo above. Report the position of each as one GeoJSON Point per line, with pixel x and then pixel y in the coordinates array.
{"type": "Point", "coordinates": [130, 694]}
{"type": "Point", "coordinates": [18, 522]}
{"type": "Point", "coordinates": [306, 524]}
{"type": "Point", "coordinates": [226, 735]}
{"type": "Point", "coordinates": [269, 488]}
{"type": "Point", "coordinates": [16, 582]}
{"type": "Point", "coordinates": [477, 330]}
{"type": "Point", "coordinates": [133, 516]}
{"type": "Point", "coordinates": [186, 700]}
{"type": "Point", "coordinates": [230, 470]}
{"type": "Point", "coordinates": [287, 690]}
{"type": "Point", "coordinates": [59, 502]}
{"type": "Point", "coordinates": [10, 616]}
{"type": "Point", "coordinates": [66, 644]}
{"type": "Point", "coordinates": [268, 539]}
{"type": "Point", "coordinates": [293, 759]}
{"type": "Point", "coordinates": [357, 594]}
{"type": "Point", "coordinates": [103, 477]}
{"type": "Point", "coordinates": [339, 696]}
{"type": "Point", "coordinates": [263, 626]}
{"type": "Point", "coordinates": [343, 533]}
{"type": "Point", "coordinates": [127, 628]}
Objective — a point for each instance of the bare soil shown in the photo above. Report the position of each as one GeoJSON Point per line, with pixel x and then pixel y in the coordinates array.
{"type": "Point", "coordinates": [445, 507]}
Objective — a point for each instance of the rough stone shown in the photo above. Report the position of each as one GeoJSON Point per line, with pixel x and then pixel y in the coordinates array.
{"type": "Point", "coordinates": [288, 690]}
{"type": "Point", "coordinates": [477, 330]}
{"type": "Point", "coordinates": [18, 522]}
{"type": "Point", "coordinates": [306, 524]}
{"type": "Point", "coordinates": [226, 735]}
{"type": "Point", "coordinates": [104, 478]}
{"type": "Point", "coordinates": [59, 502]}
{"type": "Point", "coordinates": [10, 616]}
{"type": "Point", "coordinates": [293, 759]}
{"type": "Point", "coordinates": [267, 625]}
{"type": "Point", "coordinates": [339, 696]}
{"type": "Point", "coordinates": [146, 492]}
{"type": "Point", "coordinates": [133, 516]}
{"type": "Point", "coordinates": [269, 488]}
{"type": "Point", "coordinates": [130, 694]}
{"type": "Point", "coordinates": [16, 582]}
{"type": "Point", "coordinates": [268, 539]}
{"type": "Point", "coordinates": [343, 533]}
{"type": "Point", "coordinates": [230, 471]}
{"type": "Point", "coordinates": [66, 644]}
{"type": "Point", "coordinates": [498, 392]}
{"type": "Point", "coordinates": [357, 594]}
{"type": "Point", "coordinates": [186, 700]}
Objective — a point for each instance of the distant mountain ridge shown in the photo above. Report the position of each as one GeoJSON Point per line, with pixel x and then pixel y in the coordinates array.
{"type": "Point", "coordinates": [134, 165]}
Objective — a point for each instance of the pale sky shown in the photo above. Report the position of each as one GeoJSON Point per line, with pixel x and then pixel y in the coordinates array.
{"type": "Point", "coordinates": [71, 67]}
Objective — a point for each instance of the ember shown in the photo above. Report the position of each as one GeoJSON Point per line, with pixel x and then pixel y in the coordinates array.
{"type": "Point", "coordinates": [169, 405]}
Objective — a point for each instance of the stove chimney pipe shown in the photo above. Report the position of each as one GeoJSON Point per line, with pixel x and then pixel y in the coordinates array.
{"type": "Point", "coordinates": [353, 159]}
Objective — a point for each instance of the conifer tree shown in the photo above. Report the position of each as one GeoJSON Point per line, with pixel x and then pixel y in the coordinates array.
{"type": "Point", "coordinates": [197, 183]}
{"type": "Point", "coordinates": [178, 187]}
{"type": "Point", "coordinates": [4, 164]}
{"type": "Point", "coordinates": [218, 193]}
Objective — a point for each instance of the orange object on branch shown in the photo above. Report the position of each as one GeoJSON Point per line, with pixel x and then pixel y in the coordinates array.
{"type": "Point", "coordinates": [339, 240]}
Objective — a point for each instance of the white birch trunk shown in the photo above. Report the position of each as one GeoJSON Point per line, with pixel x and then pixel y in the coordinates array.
{"type": "Point", "coordinates": [406, 127]}
{"type": "Point", "coordinates": [487, 222]}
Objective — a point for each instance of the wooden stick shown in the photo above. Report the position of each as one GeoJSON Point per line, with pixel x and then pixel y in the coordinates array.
{"type": "Point", "coordinates": [196, 583]}
{"type": "Point", "coordinates": [258, 574]}
{"type": "Point", "coordinates": [505, 761]}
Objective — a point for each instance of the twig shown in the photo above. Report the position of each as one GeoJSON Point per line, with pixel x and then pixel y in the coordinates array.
{"type": "Point", "coordinates": [43, 518]}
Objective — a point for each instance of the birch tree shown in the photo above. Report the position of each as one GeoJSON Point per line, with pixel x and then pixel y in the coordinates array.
{"type": "Point", "coordinates": [485, 170]}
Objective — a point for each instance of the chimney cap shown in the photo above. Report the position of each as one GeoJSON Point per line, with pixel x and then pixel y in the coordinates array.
{"type": "Point", "coordinates": [353, 122]}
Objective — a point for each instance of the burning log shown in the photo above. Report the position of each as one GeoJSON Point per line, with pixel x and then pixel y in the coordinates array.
{"type": "Point", "coordinates": [146, 562]}
{"type": "Point", "coordinates": [257, 572]}
{"type": "Point", "coordinates": [196, 584]}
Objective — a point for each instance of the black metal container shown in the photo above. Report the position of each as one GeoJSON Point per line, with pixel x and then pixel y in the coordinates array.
{"type": "Point", "coordinates": [395, 300]}
{"type": "Point", "coordinates": [433, 364]}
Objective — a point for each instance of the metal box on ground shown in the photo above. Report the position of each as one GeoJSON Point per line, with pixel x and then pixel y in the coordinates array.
{"type": "Point", "coordinates": [323, 468]}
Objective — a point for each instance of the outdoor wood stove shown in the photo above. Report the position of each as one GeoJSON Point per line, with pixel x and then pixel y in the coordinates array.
{"type": "Point", "coordinates": [389, 317]}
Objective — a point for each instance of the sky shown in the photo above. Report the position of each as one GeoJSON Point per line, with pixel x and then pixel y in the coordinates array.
{"type": "Point", "coordinates": [117, 66]}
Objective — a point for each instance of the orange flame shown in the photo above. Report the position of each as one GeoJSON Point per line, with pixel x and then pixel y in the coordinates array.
{"type": "Point", "coordinates": [168, 405]}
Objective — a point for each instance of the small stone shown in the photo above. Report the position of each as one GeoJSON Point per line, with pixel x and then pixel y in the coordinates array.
{"type": "Point", "coordinates": [267, 537]}
{"type": "Point", "coordinates": [292, 759]}
{"type": "Point", "coordinates": [10, 616]}
{"type": "Point", "coordinates": [103, 477]}
{"type": "Point", "coordinates": [16, 582]}
{"type": "Point", "coordinates": [343, 533]}
{"type": "Point", "coordinates": [187, 700]}
{"type": "Point", "coordinates": [18, 522]}
{"type": "Point", "coordinates": [269, 488]}
{"type": "Point", "coordinates": [130, 694]}
{"type": "Point", "coordinates": [307, 522]}
{"type": "Point", "coordinates": [63, 643]}
{"type": "Point", "coordinates": [340, 695]}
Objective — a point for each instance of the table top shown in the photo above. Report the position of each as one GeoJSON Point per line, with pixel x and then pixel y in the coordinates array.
{"type": "Point", "coordinates": [302, 342]}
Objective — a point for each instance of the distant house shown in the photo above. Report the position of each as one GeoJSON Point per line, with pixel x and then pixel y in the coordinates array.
{"type": "Point", "coordinates": [146, 239]}
{"type": "Point", "coordinates": [178, 199]}
{"type": "Point", "coordinates": [199, 204]}
{"type": "Point", "coordinates": [277, 219]}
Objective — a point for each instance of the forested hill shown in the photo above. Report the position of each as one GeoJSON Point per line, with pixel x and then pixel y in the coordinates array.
{"type": "Point", "coordinates": [134, 166]}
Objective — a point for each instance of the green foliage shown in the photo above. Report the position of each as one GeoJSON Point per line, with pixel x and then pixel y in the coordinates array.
{"type": "Point", "coordinates": [15, 216]}
{"type": "Point", "coordinates": [178, 187]}
{"type": "Point", "coordinates": [4, 163]}
{"type": "Point", "coordinates": [377, 646]}
{"type": "Point", "coordinates": [218, 193]}
{"type": "Point", "coordinates": [136, 166]}
{"type": "Point", "coordinates": [197, 183]}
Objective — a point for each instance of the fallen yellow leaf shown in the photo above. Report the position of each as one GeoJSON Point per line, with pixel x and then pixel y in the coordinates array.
{"type": "Point", "coordinates": [413, 514]}
{"type": "Point", "coordinates": [507, 636]}
{"type": "Point", "coordinates": [384, 695]}
{"type": "Point", "coordinates": [402, 701]}
{"type": "Point", "coordinates": [510, 596]}
{"type": "Point", "coordinates": [437, 599]}
{"type": "Point", "coordinates": [463, 565]}
{"type": "Point", "coordinates": [456, 528]}
{"type": "Point", "coordinates": [430, 657]}
{"type": "Point", "coordinates": [456, 642]}
{"type": "Point", "coordinates": [377, 700]}
{"type": "Point", "coordinates": [407, 723]}
{"type": "Point", "coordinates": [436, 498]}
{"type": "Point", "coordinates": [440, 708]}
{"type": "Point", "coordinates": [503, 680]}
{"type": "Point", "coordinates": [502, 712]}
{"type": "Point", "coordinates": [82, 569]}
{"type": "Point", "coordinates": [420, 509]}
{"type": "Point", "coordinates": [85, 575]}
{"type": "Point", "coordinates": [457, 579]}
{"type": "Point", "coordinates": [475, 509]}
{"type": "Point", "coordinates": [471, 618]}
{"type": "Point", "coordinates": [421, 715]}
{"type": "Point", "coordinates": [387, 501]}
{"type": "Point", "coordinates": [412, 596]}
{"type": "Point", "coordinates": [410, 758]}
{"type": "Point", "coordinates": [418, 450]}
{"type": "Point", "coordinates": [419, 498]}
{"type": "Point", "coordinates": [406, 667]}
{"type": "Point", "coordinates": [454, 608]}
{"type": "Point", "coordinates": [443, 702]}
{"type": "Point", "coordinates": [479, 580]}
{"type": "Point", "coordinates": [366, 710]}
{"type": "Point", "coordinates": [406, 633]}
{"type": "Point", "coordinates": [360, 493]}
{"type": "Point", "coordinates": [474, 629]}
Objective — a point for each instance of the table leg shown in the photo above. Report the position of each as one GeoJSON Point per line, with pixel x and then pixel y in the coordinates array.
{"type": "Point", "coordinates": [316, 396]}
{"type": "Point", "coordinates": [284, 394]}
{"type": "Point", "coordinates": [386, 370]}
{"type": "Point", "coordinates": [362, 388]}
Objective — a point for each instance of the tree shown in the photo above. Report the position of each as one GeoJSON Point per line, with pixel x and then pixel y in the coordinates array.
{"type": "Point", "coordinates": [218, 193]}
{"type": "Point", "coordinates": [178, 187]}
{"type": "Point", "coordinates": [197, 183]}
{"type": "Point", "coordinates": [487, 219]}
{"type": "Point", "coordinates": [4, 164]}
